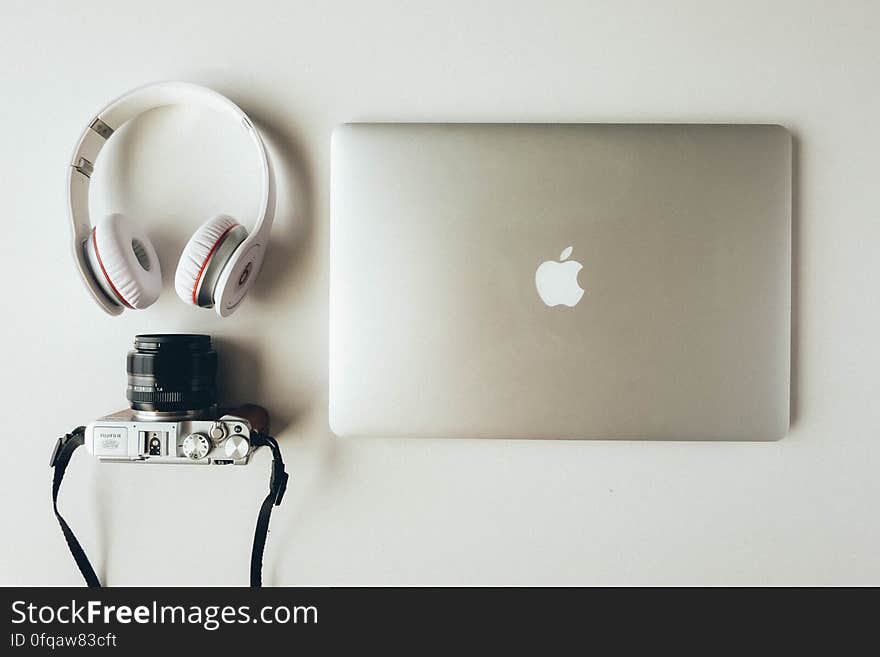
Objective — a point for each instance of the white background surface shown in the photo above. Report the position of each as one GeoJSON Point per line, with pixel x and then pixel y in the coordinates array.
{"type": "Point", "coordinates": [800, 511]}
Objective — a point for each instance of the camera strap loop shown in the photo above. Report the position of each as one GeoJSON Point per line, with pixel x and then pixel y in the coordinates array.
{"type": "Point", "coordinates": [68, 443]}
{"type": "Point", "coordinates": [64, 449]}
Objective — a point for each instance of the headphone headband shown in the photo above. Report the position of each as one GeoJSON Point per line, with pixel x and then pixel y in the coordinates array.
{"type": "Point", "coordinates": [117, 113]}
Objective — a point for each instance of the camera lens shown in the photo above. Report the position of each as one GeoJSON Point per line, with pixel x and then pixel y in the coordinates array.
{"type": "Point", "coordinates": [171, 373]}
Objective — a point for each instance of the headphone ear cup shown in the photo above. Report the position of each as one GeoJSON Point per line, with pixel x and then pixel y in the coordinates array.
{"type": "Point", "coordinates": [200, 264]}
{"type": "Point", "coordinates": [125, 262]}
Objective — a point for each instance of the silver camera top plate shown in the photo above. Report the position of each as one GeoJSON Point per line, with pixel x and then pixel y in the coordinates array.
{"type": "Point", "coordinates": [127, 436]}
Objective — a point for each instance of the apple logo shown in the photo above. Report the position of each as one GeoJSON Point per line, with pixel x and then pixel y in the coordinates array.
{"type": "Point", "coordinates": [557, 281]}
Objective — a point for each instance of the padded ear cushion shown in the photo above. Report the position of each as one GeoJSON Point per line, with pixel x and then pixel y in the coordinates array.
{"type": "Point", "coordinates": [127, 260]}
{"type": "Point", "coordinates": [197, 254]}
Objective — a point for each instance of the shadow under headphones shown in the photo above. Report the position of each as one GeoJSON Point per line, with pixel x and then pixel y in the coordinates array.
{"type": "Point", "coordinates": [116, 259]}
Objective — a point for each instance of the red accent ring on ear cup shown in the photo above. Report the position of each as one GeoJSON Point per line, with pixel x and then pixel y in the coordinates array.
{"type": "Point", "coordinates": [205, 263]}
{"type": "Point", "coordinates": [104, 271]}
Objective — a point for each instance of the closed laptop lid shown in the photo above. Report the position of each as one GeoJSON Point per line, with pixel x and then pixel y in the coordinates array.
{"type": "Point", "coordinates": [560, 281]}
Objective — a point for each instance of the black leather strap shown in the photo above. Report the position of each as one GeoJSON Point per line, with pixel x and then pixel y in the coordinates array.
{"type": "Point", "coordinates": [64, 449]}
{"type": "Point", "coordinates": [277, 486]}
{"type": "Point", "coordinates": [68, 443]}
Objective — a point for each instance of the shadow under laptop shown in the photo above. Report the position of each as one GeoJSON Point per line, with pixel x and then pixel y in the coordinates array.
{"type": "Point", "coordinates": [795, 278]}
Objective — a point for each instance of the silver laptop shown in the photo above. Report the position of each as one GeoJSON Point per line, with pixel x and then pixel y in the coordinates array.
{"type": "Point", "coordinates": [560, 281]}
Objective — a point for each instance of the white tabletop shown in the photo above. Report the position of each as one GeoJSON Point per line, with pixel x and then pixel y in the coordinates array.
{"type": "Point", "coordinates": [799, 511]}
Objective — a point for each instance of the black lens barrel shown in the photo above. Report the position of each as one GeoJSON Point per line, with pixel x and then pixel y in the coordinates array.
{"type": "Point", "coordinates": [170, 372]}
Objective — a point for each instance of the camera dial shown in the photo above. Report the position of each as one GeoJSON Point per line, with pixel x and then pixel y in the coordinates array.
{"type": "Point", "coordinates": [236, 447]}
{"type": "Point", "coordinates": [196, 446]}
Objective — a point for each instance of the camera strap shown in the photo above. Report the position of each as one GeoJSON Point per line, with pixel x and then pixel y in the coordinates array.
{"type": "Point", "coordinates": [67, 445]}
{"type": "Point", "coordinates": [277, 486]}
{"type": "Point", "coordinates": [64, 449]}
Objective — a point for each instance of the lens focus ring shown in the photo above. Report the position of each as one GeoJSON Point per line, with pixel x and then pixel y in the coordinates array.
{"type": "Point", "coordinates": [171, 372]}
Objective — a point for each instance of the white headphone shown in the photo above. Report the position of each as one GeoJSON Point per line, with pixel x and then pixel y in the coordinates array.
{"type": "Point", "coordinates": [116, 259]}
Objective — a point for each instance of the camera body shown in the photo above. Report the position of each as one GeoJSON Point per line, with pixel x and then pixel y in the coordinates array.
{"type": "Point", "coordinates": [131, 436]}
{"type": "Point", "coordinates": [173, 415]}
{"type": "Point", "coordinates": [174, 418]}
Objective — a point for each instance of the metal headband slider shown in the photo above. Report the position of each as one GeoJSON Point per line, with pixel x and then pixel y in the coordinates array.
{"type": "Point", "coordinates": [84, 166]}
{"type": "Point", "coordinates": [101, 128]}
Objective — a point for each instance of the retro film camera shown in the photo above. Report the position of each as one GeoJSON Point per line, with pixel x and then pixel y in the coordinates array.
{"type": "Point", "coordinates": [173, 416]}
